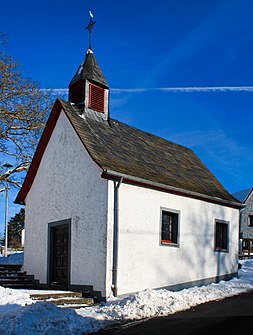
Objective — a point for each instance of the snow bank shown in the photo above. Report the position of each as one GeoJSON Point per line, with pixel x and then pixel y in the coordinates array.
{"type": "Point", "coordinates": [19, 314]}
{"type": "Point", "coordinates": [150, 303]}
{"type": "Point", "coordinates": [47, 319]}
{"type": "Point", "coordinates": [16, 258]}
{"type": "Point", "coordinates": [12, 299]}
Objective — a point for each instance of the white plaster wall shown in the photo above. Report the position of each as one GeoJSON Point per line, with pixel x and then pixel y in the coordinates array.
{"type": "Point", "coordinates": [144, 263]}
{"type": "Point", "coordinates": [68, 186]}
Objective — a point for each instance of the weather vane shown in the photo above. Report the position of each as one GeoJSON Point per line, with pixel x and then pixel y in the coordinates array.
{"type": "Point", "coordinates": [90, 27]}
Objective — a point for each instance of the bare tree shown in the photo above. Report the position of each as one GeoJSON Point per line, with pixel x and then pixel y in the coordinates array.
{"type": "Point", "coordinates": [24, 108]}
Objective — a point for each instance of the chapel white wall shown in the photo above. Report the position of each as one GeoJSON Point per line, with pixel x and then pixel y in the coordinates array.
{"type": "Point", "coordinates": [145, 263]}
{"type": "Point", "coordinates": [68, 185]}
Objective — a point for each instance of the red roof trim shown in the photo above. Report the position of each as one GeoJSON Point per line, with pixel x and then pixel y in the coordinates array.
{"type": "Point", "coordinates": [183, 193]}
{"type": "Point", "coordinates": [50, 125]}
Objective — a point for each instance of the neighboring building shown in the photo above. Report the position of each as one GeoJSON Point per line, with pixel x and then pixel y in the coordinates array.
{"type": "Point", "coordinates": [246, 220]}
{"type": "Point", "coordinates": [22, 233]}
{"type": "Point", "coordinates": [1, 245]}
{"type": "Point", "coordinates": [20, 237]}
{"type": "Point", "coordinates": [112, 208]}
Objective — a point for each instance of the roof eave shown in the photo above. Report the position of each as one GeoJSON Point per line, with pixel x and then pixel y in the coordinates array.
{"type": "Point", "coordinates": [110, 174]}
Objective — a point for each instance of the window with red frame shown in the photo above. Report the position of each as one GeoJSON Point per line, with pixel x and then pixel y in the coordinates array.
{"type": "Point", "coordinates": [96, 98]}
{"type": "Point", "coordinates": [169, 231]}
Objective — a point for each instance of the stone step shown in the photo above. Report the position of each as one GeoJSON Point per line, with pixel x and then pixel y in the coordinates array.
{"type": "Point", "coordinates": [11, 276]}
{"type": "Point", "coordinates": [19, 286]}
{"type": "Point", "coordinates": [14, 281]}
{"type": "Point", "coordinates": [75, 306]}
{"type": "Point", "coordinates": [11, 273]}
{"type": "Point", "coordinates": [45, 296]}
{"type": "Point", "coordinates": [65, 299]}
{"type": "Point", "coordinates": [10, 267]}
{"type": "Point", "coordinates": [11, 280]}
{"type": "Point", "coordinates": [72, 301]}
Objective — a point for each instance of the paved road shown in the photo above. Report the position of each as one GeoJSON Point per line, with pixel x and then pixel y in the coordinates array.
{"type": "Point", "coordinates": [229, 316]}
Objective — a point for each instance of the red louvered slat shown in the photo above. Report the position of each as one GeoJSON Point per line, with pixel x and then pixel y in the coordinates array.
{"type": "Point", "coordinates": [96, 98]}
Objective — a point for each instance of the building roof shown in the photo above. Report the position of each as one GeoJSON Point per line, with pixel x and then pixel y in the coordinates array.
{"type": "Point", "coordinates": [243, 195]}
{"type": "Point", "coordinates": [122, 150]}
{"type": "Point", "coordinates": [90, 70]}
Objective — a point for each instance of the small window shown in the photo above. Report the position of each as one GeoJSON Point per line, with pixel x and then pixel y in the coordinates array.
{"type": "Point", "coordinates": [96, 98]}
{"type": "Point", "coordinates": [169, 229]}
{"type": "Point", "coordinates": [76, 93]}
{"type": "Point", "coordinates": [250, 220]}
{"type": "Point", "coordinates": [221, 236]}
{"type": "Point", "coordinates": [247, 245]}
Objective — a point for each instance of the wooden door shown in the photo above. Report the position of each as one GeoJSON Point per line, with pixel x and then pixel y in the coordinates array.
{"type": "Point", "coordinates": [60, 269]}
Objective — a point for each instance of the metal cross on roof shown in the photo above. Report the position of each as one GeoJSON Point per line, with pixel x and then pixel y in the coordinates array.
{"type": "Point", "coordinates": [89, 27]}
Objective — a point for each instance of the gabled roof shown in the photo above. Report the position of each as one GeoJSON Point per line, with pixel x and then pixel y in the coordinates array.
{"type": "Point", "coordinates": [126, 151]}
{"type": "Point", "coordinates": [90, 70]}
{"type": "Point", "coordinates": [243, 195]}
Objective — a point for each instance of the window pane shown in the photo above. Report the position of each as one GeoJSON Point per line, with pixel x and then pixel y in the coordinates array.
{"type": "Point", "coordinates": [221, 236]}
{"type": "Point", "coordinates": [250, 220]}
{"type": "Point", "coordinates": [169, 230]}
{"type": "Point", "coordinates": [175, 228]}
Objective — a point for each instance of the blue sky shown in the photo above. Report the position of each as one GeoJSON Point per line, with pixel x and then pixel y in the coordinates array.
{"type": "Point", "coordinates": [203, 49]}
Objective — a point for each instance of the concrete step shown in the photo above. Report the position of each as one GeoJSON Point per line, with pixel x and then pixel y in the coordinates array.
{"type": "Point", "coordinates": [19, 285]}
{"type": "Point", "coordinates": [65, 299]}
{"type": "Point", "coordinates": [72, 301]}
{"type": "Point", "coordinates": [75, 306]}
{"type": "Point", "coordinates": [12, 275]}
{"type": "Point", "coordinates": [45, 296]}
{"type": "Point", "coordinates": [11, 270]}
{"type": "Point", "coordinates": [11, 266]}
{"type": "Point", "coordinates": [12, 280]}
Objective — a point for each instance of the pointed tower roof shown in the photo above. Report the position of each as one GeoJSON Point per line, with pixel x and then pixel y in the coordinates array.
{"type": "Point", "coordinates": [89, 70]}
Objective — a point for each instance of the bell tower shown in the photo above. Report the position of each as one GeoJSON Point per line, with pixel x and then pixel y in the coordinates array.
{"type": "Point", "coordinates": [88, 89]}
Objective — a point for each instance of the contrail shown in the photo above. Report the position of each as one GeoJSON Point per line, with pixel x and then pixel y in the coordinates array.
{"type": "Point", "coordinates": [186, 89]}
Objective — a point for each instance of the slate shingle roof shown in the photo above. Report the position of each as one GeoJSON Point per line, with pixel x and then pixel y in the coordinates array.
{"type": "Point", "coordinates": [243, 195]}
{"type": "Point", "coordinates": [90, 70]}
{"type": "Point", "coordinates": [136, 153]}
{"type": "Point", "coordinates": [126, 150]}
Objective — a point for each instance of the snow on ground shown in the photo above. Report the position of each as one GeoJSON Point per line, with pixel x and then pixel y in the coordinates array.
{"type": "Point", "coordinates": [16, 258]}
{"type": "Point", "coordinates": [20, 315]}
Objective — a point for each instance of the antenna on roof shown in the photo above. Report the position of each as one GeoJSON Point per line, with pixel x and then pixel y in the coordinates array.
{"type": "Point", "coordinates": [90, 27]}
